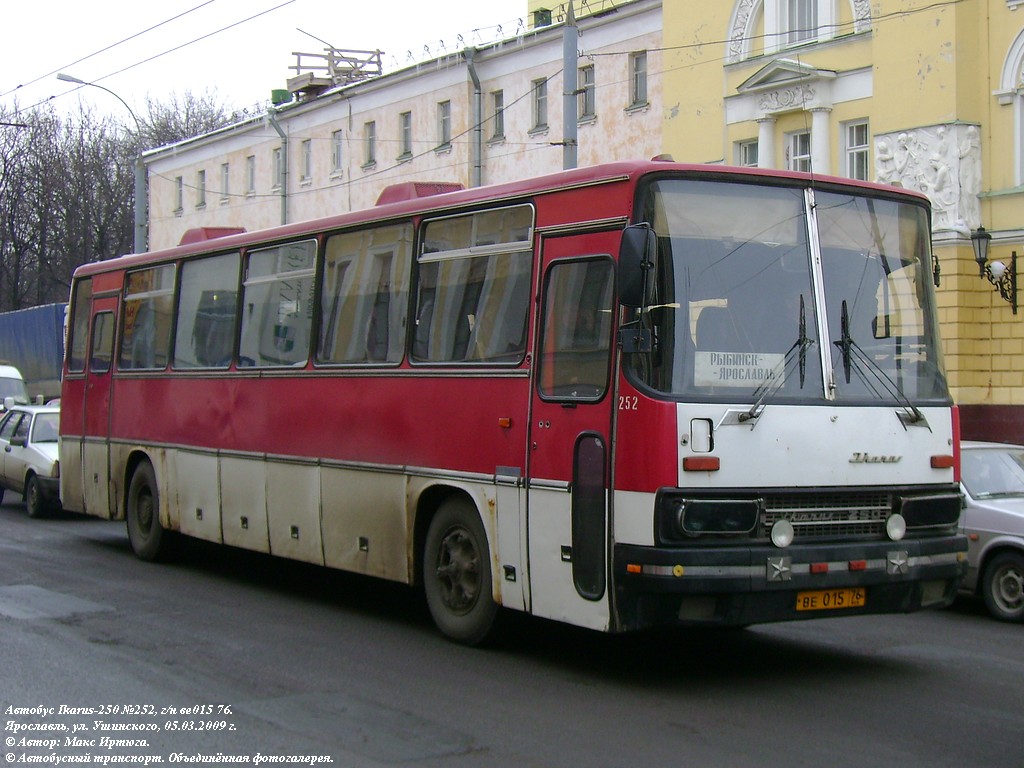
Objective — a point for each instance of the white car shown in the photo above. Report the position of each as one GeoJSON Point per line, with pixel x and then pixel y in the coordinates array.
{"type": "Point", "coordinates": [28, 456]}
{"type": "Point", "coordinates": [992, 479]}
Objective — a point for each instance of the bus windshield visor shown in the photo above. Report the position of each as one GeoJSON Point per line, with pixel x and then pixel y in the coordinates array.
{"type": "Point", "coordinates": [747, 308]}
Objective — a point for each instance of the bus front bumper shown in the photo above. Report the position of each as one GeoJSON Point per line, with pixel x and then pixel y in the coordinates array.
{"type": "Point", "coordinates": [737, 585]}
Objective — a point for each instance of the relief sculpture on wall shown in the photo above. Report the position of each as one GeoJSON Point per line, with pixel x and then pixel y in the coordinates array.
{"type": "Point", "coordinates": [943, 162]}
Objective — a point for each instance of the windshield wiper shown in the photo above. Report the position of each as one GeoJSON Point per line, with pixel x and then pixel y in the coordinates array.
{"type": "Point", "coordinates": [856, 359]}
{"type": "Point", "coordinates": [776, 377]}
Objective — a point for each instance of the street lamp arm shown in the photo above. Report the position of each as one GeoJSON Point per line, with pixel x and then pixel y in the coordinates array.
{"type": "Point", "coordinates": [72, 79]}
{"type": "Point", "coordinates": [141, 202]}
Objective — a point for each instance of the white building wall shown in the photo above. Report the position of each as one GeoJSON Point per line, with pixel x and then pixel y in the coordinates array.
{"type": "Point", "coordinates": [510, 66]}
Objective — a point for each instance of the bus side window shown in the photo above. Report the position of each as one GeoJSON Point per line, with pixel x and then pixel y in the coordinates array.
{"type": "Point", "coordinates": [473, 291]}
{"type": "Point", "coordinates": [277, 305]}
{"type": "Point", "coordinates": [207, 313]}
{"type": "Point", "coordinates": [363, 296]}
{"type": "Point", "coordinates": [148, 308]}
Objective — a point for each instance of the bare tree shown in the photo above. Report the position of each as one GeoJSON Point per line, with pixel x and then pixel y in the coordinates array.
{"type": "Point", "coordinates": [67, 187]}
{"type": "Point", "coordinates": [183, 117]}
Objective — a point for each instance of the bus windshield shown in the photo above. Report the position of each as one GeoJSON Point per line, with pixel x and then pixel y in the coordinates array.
{"type": "Point", "coordinates": [749, 307]}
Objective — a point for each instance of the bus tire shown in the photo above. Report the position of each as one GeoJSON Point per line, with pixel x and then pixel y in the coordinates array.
{"type": "Point", "coordinates": [457, 573]}
{"type": "Point", "coordinates": [147, 537]}
{"type": "Point", "coordinates": [1003, 586]}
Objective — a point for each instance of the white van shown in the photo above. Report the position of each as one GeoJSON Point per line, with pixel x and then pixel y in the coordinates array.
{"type": "Point", "coordinates": [12, 385]}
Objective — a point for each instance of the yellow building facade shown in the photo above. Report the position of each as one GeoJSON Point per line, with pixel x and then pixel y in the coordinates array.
{"type": "Point", "coordinates": [926, 95]}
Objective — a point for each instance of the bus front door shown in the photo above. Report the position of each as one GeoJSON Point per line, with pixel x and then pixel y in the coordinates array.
{"type": "Point", "coordinates": [570, 431]}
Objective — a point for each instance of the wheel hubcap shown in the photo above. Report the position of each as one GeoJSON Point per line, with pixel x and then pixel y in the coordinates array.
{"type": "Point", "coordinates": [145, 512]}
{"type": "Point", "coordinates": [1009, 589]}
{"type": "Point", "coordinates": [458, 571]}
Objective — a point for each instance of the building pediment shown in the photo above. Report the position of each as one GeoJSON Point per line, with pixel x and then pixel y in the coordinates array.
{"type": "Point", "coordinates": [784, 73]}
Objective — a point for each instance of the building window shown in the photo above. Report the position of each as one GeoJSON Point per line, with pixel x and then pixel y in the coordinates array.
{"type": "Point", "coordinates": [250, 175]}
{"type": "Point", "coordinates": [746, 154]}
{"type": "Point", "coordinates": [444, 125]}
{"type": "Point", "coordinates": [856, 148]}
{"type": "Point", "coordinates": [336, 156]}
{"type": "Point", "coordinates": [277, 168]}
{"type": "Point", "coordinates": [225, 176]}
{"type": "Point", "coordinates": [638, 79]}
{"type": "Point", "coordinates": [370, 143]}
{"type": "Point", "coordinates": [179, 194]}
{"type": "Point", "coordinates": [307, 159]}
{"type": "Point", "coordinates": [498, 114]}
{"type": "Point", "coordinates": [801, 20]}
{"type": "Point", "coordinates": [540, 105]}
{"type": "Point", "coordinates": [798, 151]}
{"type": "Point", "coordinates": [405, 136]}
{"type": "Point", "coordinates": [201, 189]}
{"type": "Point", "coordinates": [587, 97]}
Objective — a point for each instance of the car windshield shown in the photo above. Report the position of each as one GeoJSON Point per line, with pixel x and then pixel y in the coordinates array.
{"type": "Point", "coordinates": [993, 472]}
{"type": "Point", "coordinates": [10, 387]}
{"type": "Point", "coordinates": [44, 430]}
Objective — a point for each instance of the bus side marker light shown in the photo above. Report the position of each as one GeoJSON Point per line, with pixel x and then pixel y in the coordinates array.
{"type": "Point", "coordinates": [942, 462]}
{"type": "Point", "coordinates": [505, 422]}
{"type": "Point", "coordinates": [701, 464]}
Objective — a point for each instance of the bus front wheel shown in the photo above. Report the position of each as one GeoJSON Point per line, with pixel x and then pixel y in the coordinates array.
{"type": "Point", "coordinates": [147, 537]}
{"type": "Point", "coordinates": [457, 573]}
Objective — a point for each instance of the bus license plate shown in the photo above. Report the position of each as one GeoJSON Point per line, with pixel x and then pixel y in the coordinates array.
{"type": "Point", "coordinates": [830, 599]}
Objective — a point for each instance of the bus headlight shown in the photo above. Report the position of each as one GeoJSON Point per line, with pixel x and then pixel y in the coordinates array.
{"type": "Point", "coordinates": [696, 517]}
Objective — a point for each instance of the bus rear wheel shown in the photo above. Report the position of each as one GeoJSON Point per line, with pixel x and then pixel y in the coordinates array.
{"type": "Point", "coordinates": [457, 573]}
{"type": "Point", "coordinates": [147, 537]}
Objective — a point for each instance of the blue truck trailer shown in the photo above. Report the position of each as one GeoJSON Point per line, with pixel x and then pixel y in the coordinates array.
{"type": "Point", "coordinates": [32, 340]}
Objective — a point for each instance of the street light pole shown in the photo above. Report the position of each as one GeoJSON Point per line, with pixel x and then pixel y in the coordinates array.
{"type": "Point", "coordinates": [141, 219]}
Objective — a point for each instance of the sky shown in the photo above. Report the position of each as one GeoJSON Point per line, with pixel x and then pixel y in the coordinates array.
{"type": "Point", "coordinates": [235, 50]}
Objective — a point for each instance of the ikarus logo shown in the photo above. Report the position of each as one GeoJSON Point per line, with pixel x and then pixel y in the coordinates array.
{"type": "Point", "coordinates": [870, 458]}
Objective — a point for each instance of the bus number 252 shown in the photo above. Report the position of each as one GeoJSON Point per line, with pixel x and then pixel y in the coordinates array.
{"type": "Point", "coordinates": [627, 402]}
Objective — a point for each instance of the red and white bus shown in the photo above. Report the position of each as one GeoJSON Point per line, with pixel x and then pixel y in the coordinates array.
{"type": "Point", "coordinates": [634, 395]}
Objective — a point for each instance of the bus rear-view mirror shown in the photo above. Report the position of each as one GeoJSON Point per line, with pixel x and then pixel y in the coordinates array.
{"type": "Point", "coordinates": [637, 265]}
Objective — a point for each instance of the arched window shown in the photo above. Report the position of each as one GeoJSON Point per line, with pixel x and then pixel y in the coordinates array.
{"type": "Point", "coordinates": [770, 26]}
{"type": "Point", "coordinates": [1011, 94]}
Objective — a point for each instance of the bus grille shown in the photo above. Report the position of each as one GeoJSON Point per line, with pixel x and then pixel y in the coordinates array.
{"type": "Point", "coordinates": [828, 515]}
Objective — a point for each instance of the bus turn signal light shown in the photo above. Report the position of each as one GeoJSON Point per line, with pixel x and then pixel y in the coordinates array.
{"type": "Point", "coordinates": [942, 462]}
{"type": "Point", "coordinates": [701, 464]}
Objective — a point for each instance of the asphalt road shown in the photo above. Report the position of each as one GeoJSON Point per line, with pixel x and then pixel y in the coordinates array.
{"type": "Point", "coordinates": [228, 654]}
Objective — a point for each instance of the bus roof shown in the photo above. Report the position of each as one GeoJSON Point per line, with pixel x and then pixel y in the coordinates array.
{"type": "Point", "coordinates": [452, 200]}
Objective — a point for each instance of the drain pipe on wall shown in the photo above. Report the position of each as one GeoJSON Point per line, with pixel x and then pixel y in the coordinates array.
{"type": "Point", "coordinates": [272, 119]}
{"type": "Point", "coordinates": [477, 143]}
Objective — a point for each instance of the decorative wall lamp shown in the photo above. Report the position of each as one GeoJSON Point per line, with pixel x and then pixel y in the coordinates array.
{"type": "Point", "coordinates": [1002, 277]}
